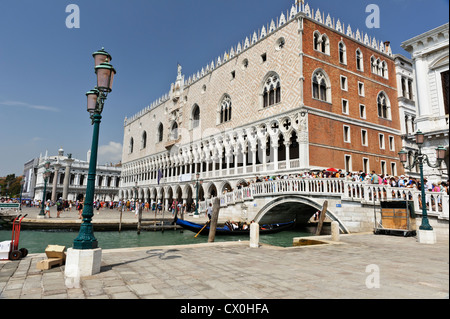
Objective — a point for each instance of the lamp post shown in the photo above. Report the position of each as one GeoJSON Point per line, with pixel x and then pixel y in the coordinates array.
{"type": "Point", "coordinates": [95, 102]}
{"type": "Point", "coordinates": [22, 182]}
{"type": "Point", "coordinates": [419, 160]}
{"type": "Point", "coordinates": [46, 175]}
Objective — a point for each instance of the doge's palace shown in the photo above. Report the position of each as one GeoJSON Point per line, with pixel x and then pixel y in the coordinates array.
{"type": "Point", "coordinates": [305, 92]}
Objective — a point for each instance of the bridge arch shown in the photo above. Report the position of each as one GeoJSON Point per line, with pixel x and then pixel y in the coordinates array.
{"type": "Point", "coordinates": [293, 206]}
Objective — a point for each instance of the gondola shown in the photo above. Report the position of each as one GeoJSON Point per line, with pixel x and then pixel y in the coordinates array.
{"type": "Point", "coordinates": [264, 229]}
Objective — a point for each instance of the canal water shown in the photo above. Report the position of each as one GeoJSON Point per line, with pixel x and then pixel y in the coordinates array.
{"type": "Point", "coordinates": [37, 241]}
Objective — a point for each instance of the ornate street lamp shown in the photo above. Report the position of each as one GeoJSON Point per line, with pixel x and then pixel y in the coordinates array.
{"type": "Point", "coordinates": [95, 102]}
{"type": "Point", "coordinates": [46, 175]}
{"type": "Point", "coordinates": [419, 160]}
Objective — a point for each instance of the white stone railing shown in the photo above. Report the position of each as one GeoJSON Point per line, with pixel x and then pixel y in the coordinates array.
{"type": "Point", "coordinates": [368, 194]}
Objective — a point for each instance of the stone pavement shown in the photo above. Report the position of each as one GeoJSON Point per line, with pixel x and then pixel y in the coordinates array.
{"type": "Point", "coordinates": [359, 266]}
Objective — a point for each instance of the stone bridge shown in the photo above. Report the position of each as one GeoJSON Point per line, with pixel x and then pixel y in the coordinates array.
{"type": "Point", "coordinates": [352, 204]}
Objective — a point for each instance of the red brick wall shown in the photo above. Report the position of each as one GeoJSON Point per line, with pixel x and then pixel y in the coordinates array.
{"type": "Point", "coordinates": [327, 146]}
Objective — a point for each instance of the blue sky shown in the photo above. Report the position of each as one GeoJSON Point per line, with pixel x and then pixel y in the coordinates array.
{"type": "Point", "coordinates": [46, 68]}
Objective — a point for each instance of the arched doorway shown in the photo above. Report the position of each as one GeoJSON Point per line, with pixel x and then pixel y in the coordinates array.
{"type": "Point", "coordinates": [293, 207]}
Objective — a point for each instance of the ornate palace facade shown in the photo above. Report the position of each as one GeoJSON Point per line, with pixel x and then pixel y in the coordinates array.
{"type": "Point", "coordinates": [305, 92]}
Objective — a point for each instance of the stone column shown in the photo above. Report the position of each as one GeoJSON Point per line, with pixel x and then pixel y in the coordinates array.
{"type": "Point", "coordinates": [254, 235]}
{"type": "Point", "coordinates": [422, 89]}
{"type": "Point", "coordinates": [287, 144]}
{"type": "Point", "coordinates": [69, 162]}
{"type": "Point", "coordinates": [303, 140]}
{"type": "Point", "coordinates": [55, 181]}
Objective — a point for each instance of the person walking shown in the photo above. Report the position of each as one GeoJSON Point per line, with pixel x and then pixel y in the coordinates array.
{"type": "Point", "coordinates": [80, 209]}
{"type": "Point", "coordinates": [47, 208]}
{"type": "Point", "coordinates": [209, 211]}
{"type": "Point", "coordinates": [59, 207]}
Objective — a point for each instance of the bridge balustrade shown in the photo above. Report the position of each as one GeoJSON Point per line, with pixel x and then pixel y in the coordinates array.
{"type": "Point", "coordinates": [368, 194]}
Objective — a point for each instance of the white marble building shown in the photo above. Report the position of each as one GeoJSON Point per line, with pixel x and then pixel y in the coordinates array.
{"type": "Point", "coordinates": [407, 96]}
{"type": "Point", "coordinates": [69, 178]}
{"type": "Point", "coordinates": [430, 56]}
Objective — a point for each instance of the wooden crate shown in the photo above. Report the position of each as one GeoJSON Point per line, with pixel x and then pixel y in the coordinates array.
{"type": "Point", "coordinates": [47, 264]}
{"type": "Point", "coordinates": [55, 251]}
{"type": "Point", "coordinates": [397, 218]}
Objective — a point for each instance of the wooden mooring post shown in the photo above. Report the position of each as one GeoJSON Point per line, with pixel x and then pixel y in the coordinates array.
{"type": "Point", "coordinates": [322, 218]}
{"type": "Point", "coordinates": [214, 219]}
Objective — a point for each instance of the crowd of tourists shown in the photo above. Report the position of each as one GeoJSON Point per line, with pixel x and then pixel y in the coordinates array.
{"type": "Point", "coordinates": [178, 208]}
{"type": "Point", "coordinates": [371, 178]}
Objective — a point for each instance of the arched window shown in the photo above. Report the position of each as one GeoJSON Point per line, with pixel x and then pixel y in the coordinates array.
{"type": "Point", "coordinates": [195, 116]}
{"type": "Point", "coordinates": [144, 140]}
{"type": "Point", "coordinates": [359, 60]}
{"type": "Point", "coordinates": [320, 86]}
{"type": "Point", "coordinates": [342, 53]}
{"type": "Point", "coordinates": [130, 150]}
{"type": "Point", "coordinates": [272, 91]}
{"type": "Point", "coordinates": [384, 107]}
{"type": "Point", "coordinates": [174, 131]}
{"type": "Point", "coordinates": [317, 41]}
{"type": "Point", "coordinates": [225, 109]}
{"type": "Point", "coordinates": [384, 69]}
{"type": "Point", "coordinates": [325, 44]}
{"type": "Point", "coordinates": [321, 42]}
{"type": "Point", "coordinates": [378, 67]}
{"type": "Point", "coordinates": [160, 132]}
{"type": "Point", "coordinates": [374, 64]}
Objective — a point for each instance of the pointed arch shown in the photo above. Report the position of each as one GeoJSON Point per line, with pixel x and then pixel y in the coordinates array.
{"type": "Point", "coordinates": [271, 89]}
{"type": "Point", "coordinates": [225, 109]}
{"type": "Point", "coordinates": [160, 133]}
{"type": "Point", "coordinates": [384, 106]}
{"type": "Point", "coordinates": [321, 86]}
{"type": "Point", "coordinates": [144, 140]}
{"type": "Point", "coordinates": [342, 53]}
{"type": "Point", "coordinates": [195, 116]}
{"type": "Point", "coordinates": [359, 60]}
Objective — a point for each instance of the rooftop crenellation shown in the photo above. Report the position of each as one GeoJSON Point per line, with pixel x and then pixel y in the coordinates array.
{"type": "Point", "coordinates": [274, 25]}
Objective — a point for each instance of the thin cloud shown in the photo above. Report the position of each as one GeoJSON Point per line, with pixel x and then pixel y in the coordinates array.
{"type": "Point", "coordinates": [111, 153]}
{"type": "Point", "coordinates": [30, 106]}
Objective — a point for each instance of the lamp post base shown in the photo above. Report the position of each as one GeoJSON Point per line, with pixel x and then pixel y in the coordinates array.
{"type": "Point", "coordinates": [426, 236]}
{"type": "Point", "coordinates": [81, 263]}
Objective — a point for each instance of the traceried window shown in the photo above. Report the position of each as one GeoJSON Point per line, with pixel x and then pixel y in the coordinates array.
{"type": "Point", "coordinates": [317, 41]}
{"type": "Point", "coordinates": [384, 110]}
{"type": "Point", "coordinates": [379, 67]}
{"type": "Point", "coordinates": [272, 91]}
{"type": "Point", "coordinates": [321, 42]}
{"type": "Point", "coordinates": [320, 86]}
{"type": "Point", "coordinates": [225, 109]}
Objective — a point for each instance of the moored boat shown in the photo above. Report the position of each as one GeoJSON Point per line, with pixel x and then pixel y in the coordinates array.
{"type": "Point", "coordinates": [226, 230]}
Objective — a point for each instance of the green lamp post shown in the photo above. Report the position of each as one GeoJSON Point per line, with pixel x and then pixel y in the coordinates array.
{"type": "Point", "coordinates": [46, 175]}
{"type": "Point", "coordinates": [95, 102]}
{"type": "Point", "coordinates": [419, 160]}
